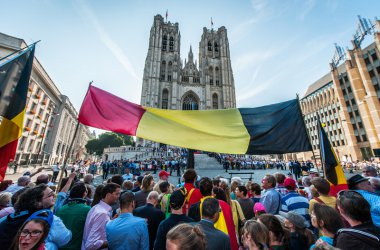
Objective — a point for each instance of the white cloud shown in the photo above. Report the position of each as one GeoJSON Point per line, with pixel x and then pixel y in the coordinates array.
{"type": "Point", "coordinates": [115, 49]}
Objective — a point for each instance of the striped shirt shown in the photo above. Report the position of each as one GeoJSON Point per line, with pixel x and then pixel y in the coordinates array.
{"type": "Point", "coordinates": [296, 203]}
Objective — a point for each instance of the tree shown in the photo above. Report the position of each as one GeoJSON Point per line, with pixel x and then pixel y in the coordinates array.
{"type": "Point", "coordinates": [108, 139]}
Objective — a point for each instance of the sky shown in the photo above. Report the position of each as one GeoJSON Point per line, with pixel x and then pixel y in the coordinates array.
{"type": "Point", "coordinates": [278, 47]}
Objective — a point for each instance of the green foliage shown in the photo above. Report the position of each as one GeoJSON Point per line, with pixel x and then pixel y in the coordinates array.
{"type": "Point", "coordinates": [108, 139]}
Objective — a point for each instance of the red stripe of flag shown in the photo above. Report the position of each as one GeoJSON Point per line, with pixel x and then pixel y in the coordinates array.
{"type": "Point", "coordinates": [104, 110]}
{"type": "Point", "coordinates": [7, 153]}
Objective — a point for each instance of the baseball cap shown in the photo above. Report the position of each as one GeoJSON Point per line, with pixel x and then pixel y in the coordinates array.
{"type": "Point", "coordinates": [163, 173]}
{"type": "Point", "coordinates": [258, 207]}
{"type": "Point", "coordinates": [355, 180]}
{"type": "Point", "coordinates": [296, 219]}
{"type": "Point", "coordinates": [177, 198]}
{"type": "Point", "coordinates": [290, 182]}
{"type": "Point", "coordinates": [44, 214]}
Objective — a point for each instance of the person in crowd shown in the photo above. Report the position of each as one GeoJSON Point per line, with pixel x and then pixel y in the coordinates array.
{"type": "Point", "coordinates": [153, 215]}
{"type": "Point", "coordinates": [278, 236]}
{"type": "Point", "coordinates": [193, 194]}
{"type": "Point", "coordinates": [92, 169]}
{"type": "Point", "coordinates": [306, 183]}
{"type": "Point", "coordinates": [22, 182]}
{"type": "Point", "coordinates": [271, 199]}
{"type": "Point", "coordinates": [5, 200]}
{"type": "Point", "coordinates": [237, 212]}
{"type": "Point", "coordinates": [369, 171]}
{"type": "Point", "coordinates": [56, 170]}
{"type": "Point", "coordinates": [127, 186]}
{"type": "Point", "coordinates": [258, 209]}
{"type": "Point", "coordinates": [293, 201]}
{"type": "Point", "coordinates": [234, 185]}
{"type": "Point", "coordinates": [164, 198]}
{"type": "Point", "coordinates": [219, 194]}
{"type": "Point", "coordinates": [10, 209]}
{"type": "Point", "coordinates": [32, 200]}
{"type": "Point", "coordinates": [43, 179]}
{"type": "Point", "coordinates": [163, 176]}
{"type": "Point", "coordinates": [327, 220]}
{"type": "Point", "coordinates": [97, 195]}
{"type": "Point", "coordinates": [215, 239]}
{"type": "Point", "coordinates": [363, 234]}
{"type": "Point", "coordinates": [127, 231]}
{"type": "Point", "coordinates": [246, 203]}
{"type": "Point", "coordinates": [137, 184]}
{"type": "Point", "coordinates": [63, 194]}
{"type": "Point", "coordinates": [106, 169]}
{"type": "Point", "coordinates": [297, 171]}
{"type": "Point", "coordinates": [34, 231]}
{"type": "Point", "coordinates": [256, 192]}
{"type": "Point", "coordinates": [322, 186]}
{"type": "Point", "coordinates": [74, 214]}
{"type": "Point", "coordinates": [88, 179]}
{"type": "Point", "coordinates": [94, 235]}
{"type": "Point", "coordinates": [127, 176]}
{"type": "Point", "coordinates": [146, 188]}
{"type": "Point", "coordinates": [185, 237]}
{"type": "Point", "coordinates": [362, 185]}
{"type": "Point", "coordinates": [176, 202]}
{"type": "Point", "coordinates": [118, 179]}
{"type": "Point", "coordinates": [255, 235]}
{"type": "Point", "coordinates": [225, 222]}
{"type": "Point", "coordinates": [280, 178]}
{"type": "Point", "coordinates": [375, 183]}
{"type": "Point", "coordinates": [301, 238]}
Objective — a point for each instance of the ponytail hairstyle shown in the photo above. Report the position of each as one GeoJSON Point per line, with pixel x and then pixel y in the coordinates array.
{"type": "Point", "coordinates": [187, 237]}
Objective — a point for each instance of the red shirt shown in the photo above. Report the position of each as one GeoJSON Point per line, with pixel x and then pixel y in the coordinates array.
{"type": "Point", "coordinates": [195, 195]}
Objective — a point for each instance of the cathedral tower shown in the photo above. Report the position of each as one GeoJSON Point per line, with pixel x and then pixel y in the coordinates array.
{"type": "Point", "coordinates": [170, 83]}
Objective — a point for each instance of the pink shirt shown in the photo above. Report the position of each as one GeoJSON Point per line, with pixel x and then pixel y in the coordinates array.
{"type": "Point", "coordinates": [94, 234]}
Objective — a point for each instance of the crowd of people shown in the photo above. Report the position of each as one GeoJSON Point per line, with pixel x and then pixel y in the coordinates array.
{"type": "Point", "coordinates": [132, 210]}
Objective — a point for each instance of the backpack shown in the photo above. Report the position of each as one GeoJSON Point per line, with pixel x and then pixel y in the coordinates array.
{"type": "Point", "coordinates": [187, 207]}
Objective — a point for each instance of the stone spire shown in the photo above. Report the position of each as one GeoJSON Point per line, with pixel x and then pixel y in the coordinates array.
{"type": "Point", "coordinates": [191, 55]}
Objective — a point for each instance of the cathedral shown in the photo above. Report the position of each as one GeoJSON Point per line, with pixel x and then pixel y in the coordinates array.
{"type": "Point", "coordinates": [171, 83]}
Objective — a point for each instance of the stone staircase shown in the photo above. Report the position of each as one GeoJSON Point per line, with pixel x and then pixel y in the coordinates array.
{"type": "Point", "coordinates": [205, 162]}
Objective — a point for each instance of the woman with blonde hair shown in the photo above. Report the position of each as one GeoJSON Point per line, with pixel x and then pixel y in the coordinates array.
{"type": "Point", "coordinates": [255, 235]}
{"type": "Point", "coordinates": [185, 237]}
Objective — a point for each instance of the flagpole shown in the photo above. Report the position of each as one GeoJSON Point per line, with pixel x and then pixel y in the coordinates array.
{"type": "Point", "coordinates": [307, 132]}
{"type": "Point", "coordinates": [70, 147]}
{"type": "Point", "coordinates": [5, 57]}
{"type": "Point", "coordinates": [319, 138]}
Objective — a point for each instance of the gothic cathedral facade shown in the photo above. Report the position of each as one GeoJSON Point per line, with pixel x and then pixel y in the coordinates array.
{"type": "Point", "coordinates": [170, 83]}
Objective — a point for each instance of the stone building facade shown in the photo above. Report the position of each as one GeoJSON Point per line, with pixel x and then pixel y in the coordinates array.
{"type": "Point", "coordinates": [170, 83]}
{"type": "Point", "coordinates": [347, 101]}
{"type": "Point", "coordinates": [49, 121]}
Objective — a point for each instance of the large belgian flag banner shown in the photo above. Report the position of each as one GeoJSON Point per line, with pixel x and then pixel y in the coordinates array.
{"type": "Point", "coordinates": [272, 129]}
{"type": "Point", "coordinates": [332, 169]}
{"type": "Point", "coordinates": [14, 82]}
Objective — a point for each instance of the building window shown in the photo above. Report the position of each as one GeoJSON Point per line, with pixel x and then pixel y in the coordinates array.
{"type": "Point", "coordinates": [190, 102]}
{"type": "Point", "coordinates": [162, 71]}
{"type": "Point", "coordinates": [21, 143]}
{"type": "Point", "coordinates": [216, 47]}
{"type": "Point", "coordinates": [209, 46]}
{"type": "Point", "coordinates": [171, 44]}
{"type": "Point", "coordinates": [217, 76]}
{"type": "Point", "coordinates": [211, 75]}
{"type": "Point", "coordinates": [170, 67]}
{"type": "Point", "coordinates": [215, 101]}
{"type": "Point", "coordinates": [165, 99]}
{"type": "Point", "coordinates": [164, 43]}
{"type": "Point", "coordinates": [30, 147]}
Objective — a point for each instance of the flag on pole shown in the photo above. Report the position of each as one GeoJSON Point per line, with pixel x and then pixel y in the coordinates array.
{"type": "Point", "coordinates": [332, 169]}
{"type": "Point", "coordinates": [166, 15]}
{"type": "Point", "coordinates": [272, 129]}
{"type": "Point", "coordinates": [212, 23]}
{"type": "Point", "coordinates": [14, 82]}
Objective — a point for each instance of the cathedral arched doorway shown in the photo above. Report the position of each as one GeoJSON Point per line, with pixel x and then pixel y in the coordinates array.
{"type": "Point", "coordinates": [190, 101]}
